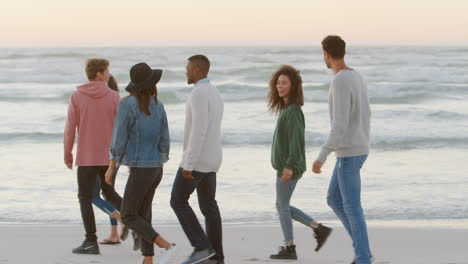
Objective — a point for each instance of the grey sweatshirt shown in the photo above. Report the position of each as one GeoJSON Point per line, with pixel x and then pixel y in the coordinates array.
{"type": "Point", "coordinates": [349, 115]}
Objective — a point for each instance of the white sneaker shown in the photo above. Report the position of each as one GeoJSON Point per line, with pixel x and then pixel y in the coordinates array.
{"type": "Point", "coordinates": [166, 254]}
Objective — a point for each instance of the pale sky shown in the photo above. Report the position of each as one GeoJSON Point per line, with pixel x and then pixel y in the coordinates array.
{"type": "Point", "coordinates": [234, 22]}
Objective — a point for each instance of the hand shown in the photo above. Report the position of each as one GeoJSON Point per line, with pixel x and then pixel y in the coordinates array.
{"type": "Point", "coordinates": [69, 165]}
{"type": "Point", "coordinates": [109, 174]}
{"type": "Point", "coordinates": [287, 174]}
{"type": "Point", "coordinates": [187, 174]}
{"type": "Point", "coordinates": [317, 167]}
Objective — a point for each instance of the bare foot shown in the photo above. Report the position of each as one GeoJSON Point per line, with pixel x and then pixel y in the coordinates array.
{"type": "Point", "coordinates": [147, 260]}
{"type": "Point", "coordinates": [111, 239]}
{"type": "Point", "coordinates": [162, 243]}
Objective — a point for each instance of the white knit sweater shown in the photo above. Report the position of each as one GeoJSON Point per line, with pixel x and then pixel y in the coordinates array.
{"type": "Point", "coordinates": [202, 132]}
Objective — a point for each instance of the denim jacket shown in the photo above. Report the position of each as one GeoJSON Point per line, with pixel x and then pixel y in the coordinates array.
{"type": "Point", "coordinates": [138, 139]}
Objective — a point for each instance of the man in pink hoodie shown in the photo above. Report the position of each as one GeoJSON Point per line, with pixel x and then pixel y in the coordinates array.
{"type": "Point", "coordinates": [91, 112]}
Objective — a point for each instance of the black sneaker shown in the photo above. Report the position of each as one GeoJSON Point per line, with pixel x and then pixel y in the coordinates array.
{"type": "Point", "coordinates": [88, 247]}
{"type": "Point", "coordinates": [288, 252]}
{"type": "Point", "coordinates": [321, 234]}
{"type": "Point", "coordinates": [136, 241]}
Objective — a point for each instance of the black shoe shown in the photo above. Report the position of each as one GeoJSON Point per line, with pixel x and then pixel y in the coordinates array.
{"type": "Point", "coordinates": [288, 252]}
{"type": "Point", "coordinates": [88, 247]}
{"type": "Point", "coordinates": [321, 234]}
{"type": "Point", "coordinates": [136, 241]}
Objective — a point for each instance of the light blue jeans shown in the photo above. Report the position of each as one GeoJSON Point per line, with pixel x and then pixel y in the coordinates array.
{"type": "Point", "coordinates": [344, 197]}
{"type": "Point", "coordinates": [287, 212]}
{"type": "Point", "coordinates": [102, 204]}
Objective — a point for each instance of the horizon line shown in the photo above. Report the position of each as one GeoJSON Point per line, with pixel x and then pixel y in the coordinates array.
{"type": "Point", "coordinates": [227, 45]}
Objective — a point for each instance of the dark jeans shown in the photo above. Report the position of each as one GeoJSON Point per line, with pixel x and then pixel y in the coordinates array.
{"type": "Point", "coordinates": [205, 183]}
{"type": "Point", "coordinates": [87, 176]}
{"type": "Point", "coordinates": [137, 201]}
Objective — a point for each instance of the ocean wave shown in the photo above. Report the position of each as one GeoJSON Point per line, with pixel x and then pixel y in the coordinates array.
{"type": "Point", "coordinates": [407, 143]}
{"type": "Point", "coordinates": [38, 137]}
{"type": "Point", "coordinates": [64, 55]}
{"type": "Point", "coordinates": [265, 139]}
{"type": "Point", "coordinates": [245, 93]}
{"type": "Point", "coordinates": [446, 115]}
{"type": "Point", "coordinates": [168, 97]}
{"type": "Point", "coordinates": [385, 212]}
{"type": "Point", "coordinates": [401, 99]}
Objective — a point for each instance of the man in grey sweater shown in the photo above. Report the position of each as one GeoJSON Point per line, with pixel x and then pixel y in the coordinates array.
{"type": "Point", "coordinates": [201, 161]}
{"type": "Point", "coordinates": [349, 139]}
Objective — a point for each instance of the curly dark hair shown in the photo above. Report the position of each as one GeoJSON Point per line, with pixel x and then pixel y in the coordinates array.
{"type": "Point", "coordinates": [276, 104]}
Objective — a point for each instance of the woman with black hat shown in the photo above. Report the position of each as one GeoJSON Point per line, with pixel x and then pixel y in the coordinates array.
{"type": "Point", "coordinates": [140, 140]}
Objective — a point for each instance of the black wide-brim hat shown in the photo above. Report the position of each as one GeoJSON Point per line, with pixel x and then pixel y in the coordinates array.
{"type": "Point", "coordinates": [142, 77]}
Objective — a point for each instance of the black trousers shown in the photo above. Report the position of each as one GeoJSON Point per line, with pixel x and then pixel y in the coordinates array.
{"type": "Point", "coordinates": [205, 183]}
{"type": "Point", "coordinates": [86, 181]}
{"type": "Point", "coordinates": [137, 201]}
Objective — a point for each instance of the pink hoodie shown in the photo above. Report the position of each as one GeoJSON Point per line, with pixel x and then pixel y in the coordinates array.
{"type": "Point", "coordinates": [92, 110]}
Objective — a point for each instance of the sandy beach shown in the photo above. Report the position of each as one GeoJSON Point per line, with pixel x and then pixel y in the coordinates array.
{"type": "Point", "coordinates": [44, 244]}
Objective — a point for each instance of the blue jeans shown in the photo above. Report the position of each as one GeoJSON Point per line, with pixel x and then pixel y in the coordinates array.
{"type": "Point", "coordinates": [101, 204]}
{"type": "Point", "coordinates": [344, 197]}
{"type": "Point", "coordinates": [287, 212]}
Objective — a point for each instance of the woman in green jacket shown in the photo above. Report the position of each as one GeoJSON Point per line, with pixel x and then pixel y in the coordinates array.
{"type": "Point", "coordinates": [286, 98]}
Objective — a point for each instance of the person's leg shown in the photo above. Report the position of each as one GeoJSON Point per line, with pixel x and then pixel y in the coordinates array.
{"type": "Point", "coordinates": [206, 191]}
{"type": "Point", "coordinates": [147, 247]}
{"type": "Point", "coordinates": [181, 191]}
{"type": "Point", "coordinates": [113, 221]}
{"type": "Point", "coordinates": [108, 209]}
{"type": "Point", "coordinates": [98, 201]}
{"type": "Point", "coordinates": [301, 217]}
{"type": "Point", "coordinates": [108, 191]}
{"type": "Point", "coordinates": [139, 185]}
{"type": "Point", "coordinates": [86, 181]}
{"type": "Point", "coordinates": [284, 191]}
{"type": "Point", "coordinates": [335, 200]}
{"type": "Point", "coordinates": [349, 179]}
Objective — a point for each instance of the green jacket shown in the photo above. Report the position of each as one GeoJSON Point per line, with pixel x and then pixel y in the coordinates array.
{"type": "Point", "coordinates": [288, 149]}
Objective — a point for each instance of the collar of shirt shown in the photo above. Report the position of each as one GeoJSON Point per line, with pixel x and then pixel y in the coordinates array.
{"type": "Point", "coordinates": [204, 80]}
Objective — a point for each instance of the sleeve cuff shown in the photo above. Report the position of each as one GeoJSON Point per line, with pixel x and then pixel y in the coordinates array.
{"type": "Point", "coordinates": [116, 157]}
{"type": "Point", "coordinates": [322, 157]}
{"type": "Point", "coordinates": [164, 157]}
{"type": "Point", "coordinates": [187, 167]}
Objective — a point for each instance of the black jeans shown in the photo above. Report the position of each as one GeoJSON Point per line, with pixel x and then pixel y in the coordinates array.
{"type": "Point", "coordinates": [137, 201]}
{"type": "Point", "coordinates": [86, 181]}
{"type": "Point", "coordinates": [205, 183]}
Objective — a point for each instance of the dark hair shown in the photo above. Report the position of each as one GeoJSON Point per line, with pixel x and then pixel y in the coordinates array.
{"type": "Point", "coordinates": [93, 66]}
{"type": "Point", "coordinates": [112, 83]}
{"type": "Point", "coordinates": [276, 104]}
{"type": "Point", "coordinates": [335, 46]}
{"type": "Point", "coordinates": [201, 61]}
{"type": "Point", "coordinates": [143, 97]}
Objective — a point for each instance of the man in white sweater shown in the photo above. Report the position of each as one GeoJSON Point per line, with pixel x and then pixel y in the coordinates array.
{"type": "Point", "coordinates": [200, 162]}
{"type": "Point", "coordinates": [349, 139]}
